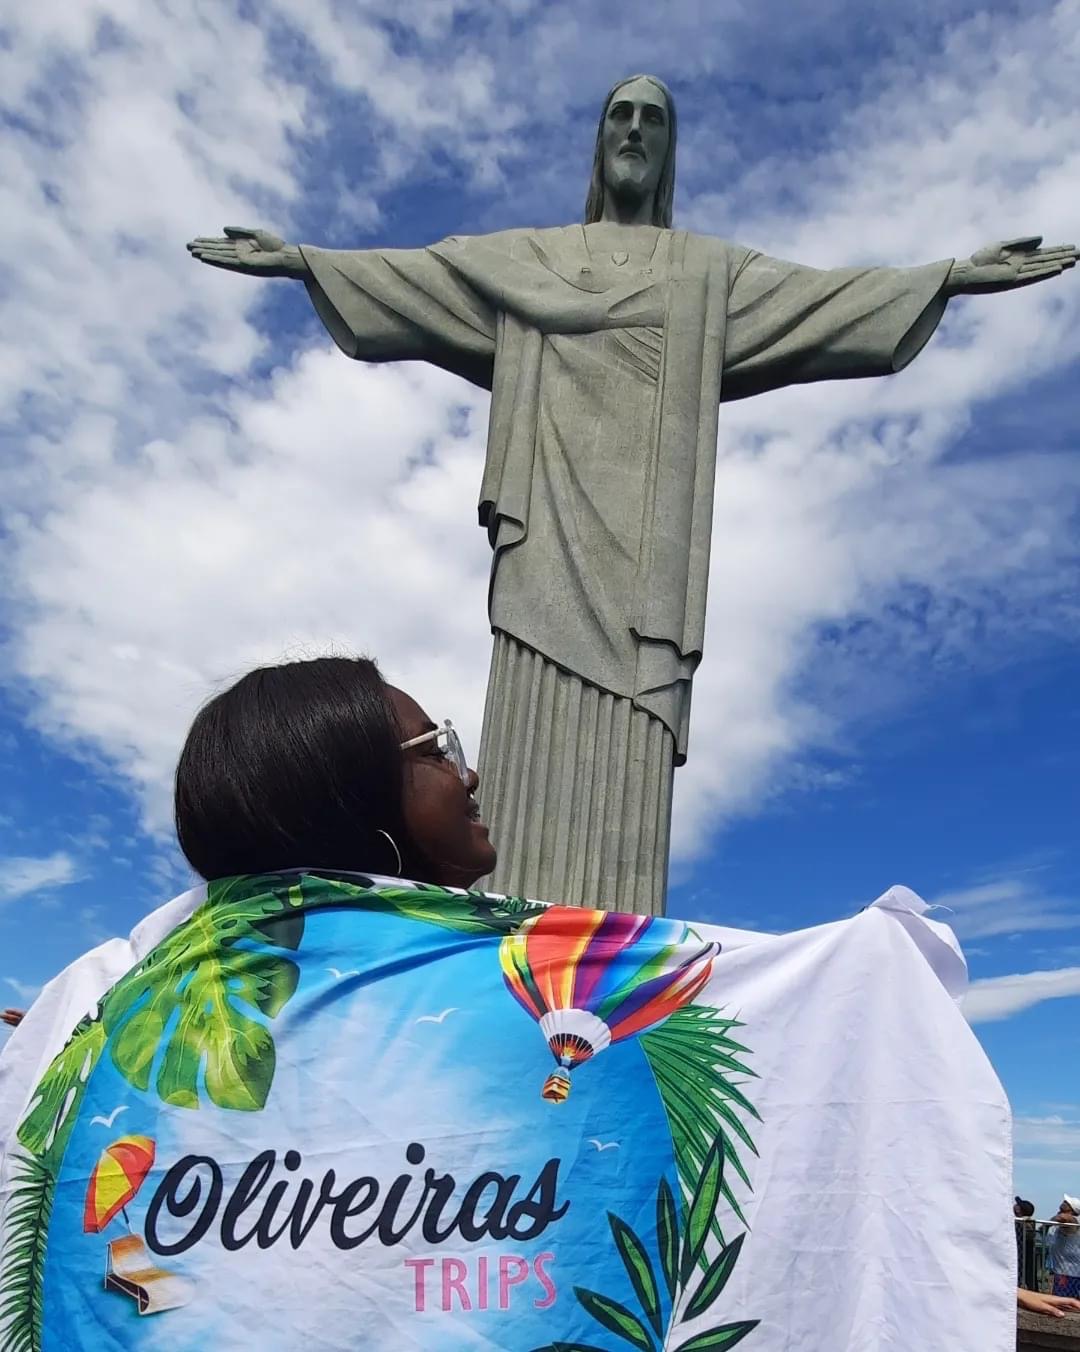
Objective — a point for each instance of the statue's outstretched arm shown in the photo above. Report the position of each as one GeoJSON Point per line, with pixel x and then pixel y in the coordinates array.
{"type": "Point", "coordinates": [1012, 263]}
{"type": "Point", "coordinates": [255, 252]}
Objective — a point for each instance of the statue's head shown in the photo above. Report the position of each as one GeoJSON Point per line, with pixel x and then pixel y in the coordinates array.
{"type": "Point", "coordinates": [635, 148]}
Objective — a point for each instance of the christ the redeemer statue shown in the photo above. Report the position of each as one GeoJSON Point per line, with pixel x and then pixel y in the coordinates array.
{"type": "Point", "coordinates": [608, 348]}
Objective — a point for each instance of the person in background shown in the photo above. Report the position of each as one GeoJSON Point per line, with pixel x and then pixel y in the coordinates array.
{"type": "Point", "coordinates": [12, 1017]}
{"type": "Point", "coordinates": [1064, 1248]}
{"type": "Point", "coordinates": [1023, 1211]}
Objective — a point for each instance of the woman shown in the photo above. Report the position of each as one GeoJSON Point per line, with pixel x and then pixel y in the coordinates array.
{"type": "Point", "coordinates": [1065, 1248]}
{"type": "Point", "coordinates": [322, 765]}
{"type": "Point", "coordinates": [310, 1108]}
{"type": "Point", "coordinates": [317, 764]}
{"type": "Point", "coordinates": [309, 1101]}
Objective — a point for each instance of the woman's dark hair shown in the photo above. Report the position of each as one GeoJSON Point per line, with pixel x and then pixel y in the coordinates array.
{"type": "Point", "coordinates": [295, 766]}
{"type": "Point", "coordinates": [664, 201]}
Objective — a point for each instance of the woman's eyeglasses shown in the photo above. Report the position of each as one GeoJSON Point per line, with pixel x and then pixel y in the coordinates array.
{"type": "Point", "coordinates": [449, 743]}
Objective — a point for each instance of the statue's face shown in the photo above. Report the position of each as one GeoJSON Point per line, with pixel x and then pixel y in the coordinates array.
{"type": "Point", "coordinates": [637, 134]}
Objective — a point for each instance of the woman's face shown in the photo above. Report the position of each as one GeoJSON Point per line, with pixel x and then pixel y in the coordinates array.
{"type": "Point", "coordinates": [441, 812]}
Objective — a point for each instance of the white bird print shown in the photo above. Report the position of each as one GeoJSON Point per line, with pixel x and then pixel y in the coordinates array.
{"type": "Point", "coordinates": [437, 1018]}
{"type": "Point", "coordinates": [603, 1145]}
{"type": "Point", "coordinates": [340, 976]}
{"type": "Point", "coordinates": [108, 1121]}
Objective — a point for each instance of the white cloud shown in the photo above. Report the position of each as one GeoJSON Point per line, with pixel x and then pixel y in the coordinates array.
{"type": "Point", "coordinates": [834, 506]}
{"type": "Point", "coordinates": [1053, 1133]}
{"type": "Point", "coordinates": [999, 997]}
{"type": "Point", "coordinates": [302, 523]}
{"type": "Point", "coordinates": [1045, 1154]}
{"type": "Point", "coordinates": [23, 990]}
{"type": "Point", "coordinates": [156, 125]}
{"type": "Point", "coordinates": [1007, 906]}
{"type": "Point", "coordinates": [22, 875]}
{"type": "Point", "coordinates": [168, 531]}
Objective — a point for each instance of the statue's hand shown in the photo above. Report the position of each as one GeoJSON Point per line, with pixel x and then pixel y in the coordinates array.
{"type": "Point", "coordinates": [256, 252]}
{"type": "Point", "coordinates": [1008, 265]}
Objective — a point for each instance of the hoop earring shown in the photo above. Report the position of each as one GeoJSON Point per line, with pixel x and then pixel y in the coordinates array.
{"type": "Point", "coordinates": [397, 852]}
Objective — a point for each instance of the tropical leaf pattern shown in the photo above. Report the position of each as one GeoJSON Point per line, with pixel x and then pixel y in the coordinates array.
{"type": "Point", "coordinates": [189, 1015]}
{"type": "Point", "coordinates": [466, 912]}
{"type": "Point", "coordinates": [693, 1058]}
{"type": "Point", "coordinates": [192, 1016]}
{"type": "Point", "coordinates": [719, 1339]}
{"type": "Point", "coordinates": [569, 1347]}
{"type": "Point", "coordinates": [53, 1110]}
{"type": "Point", "coordinates": [616, 1318]}
{"type": "Point", "coordinates": [715, 1279]}
{"type": "Point", "coordinates": [702, 1210]}
{"type": "Point", "coordinates": [639, 1269]}
{"type": "Point", "coordinates": [667, 1235]}
{"type": "Point", "coordinates": [22, 1282]}
{"type": "Point", "coordinates": [680, 1253]}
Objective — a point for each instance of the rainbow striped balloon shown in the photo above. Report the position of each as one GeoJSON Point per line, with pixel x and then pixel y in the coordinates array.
{"type": "Point", "coordinates": [590, 978]}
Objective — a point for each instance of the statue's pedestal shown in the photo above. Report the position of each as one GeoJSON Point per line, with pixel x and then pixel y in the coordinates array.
{"type": "Point", "coordinates": [1039, 1331]}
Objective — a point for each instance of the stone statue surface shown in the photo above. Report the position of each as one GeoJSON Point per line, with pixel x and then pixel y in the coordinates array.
{"type": "Point", "coordinates": [608, 348]}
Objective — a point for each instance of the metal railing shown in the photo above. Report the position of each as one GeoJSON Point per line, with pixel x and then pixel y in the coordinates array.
{"type": "Point", "coordinates": [1034, 1251]}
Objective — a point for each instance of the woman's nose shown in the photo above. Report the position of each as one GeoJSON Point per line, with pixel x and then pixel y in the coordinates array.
{"type": "Point", "coordinates": [472, 780]}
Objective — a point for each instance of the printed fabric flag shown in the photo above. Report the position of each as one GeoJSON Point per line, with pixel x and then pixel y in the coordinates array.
{"type": "Point", "coordinates": [335, 1112]}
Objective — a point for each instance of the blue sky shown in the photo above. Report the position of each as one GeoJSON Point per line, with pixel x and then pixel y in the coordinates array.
{"type": "Point", "coordinates": [193, 481]}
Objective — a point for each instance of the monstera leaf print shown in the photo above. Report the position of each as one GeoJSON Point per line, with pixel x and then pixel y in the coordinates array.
{"type": "Point", "coordinates": [45, 1128]}
{"type": "Point", "coordinates": [471, 914]}
{"type": "Point", "coordinates": [188, 1016]}
{"type": "Point", "coordinates": [467, 912]}
{"type": "Point", "coordinates": [191, 1018]}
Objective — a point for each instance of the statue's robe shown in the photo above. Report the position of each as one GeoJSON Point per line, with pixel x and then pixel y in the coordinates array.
{"type": "Point", "coordinates": [606, 373]}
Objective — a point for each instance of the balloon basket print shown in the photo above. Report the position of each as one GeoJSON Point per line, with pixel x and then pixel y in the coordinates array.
{"type": "Point", "coordinates": [592, 978]}
{"type": "Point", "coordinates": [557, 1086]}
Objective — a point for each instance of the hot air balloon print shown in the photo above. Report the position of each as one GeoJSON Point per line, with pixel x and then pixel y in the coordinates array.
{"type": "Point", "coordinates": [591, 978]}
